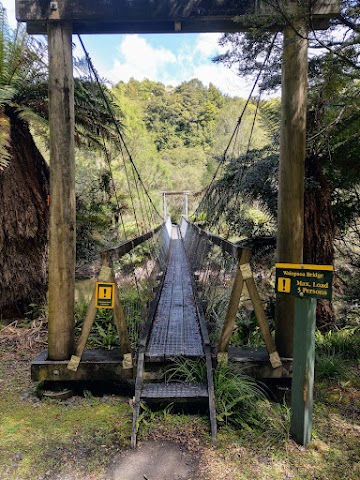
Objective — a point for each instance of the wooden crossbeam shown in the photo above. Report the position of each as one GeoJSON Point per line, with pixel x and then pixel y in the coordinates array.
{"type": "Point", "coordinates": [170, 16]}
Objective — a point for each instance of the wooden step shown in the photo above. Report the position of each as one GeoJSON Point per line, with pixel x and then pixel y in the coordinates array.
{"type": "Point", "coordinates": [174, 391]}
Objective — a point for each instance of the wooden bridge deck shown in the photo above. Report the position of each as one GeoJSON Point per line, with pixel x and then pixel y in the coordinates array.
{"type": "Point", "coordinates": [175, 330]}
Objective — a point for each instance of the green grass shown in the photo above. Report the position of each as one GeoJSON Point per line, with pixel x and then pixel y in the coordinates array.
{"type": "Point", "coordinates": [238, 396]}
{"type": "Point", "coordinates": [330, 367]}
{"type": "Point", "coordinates": [36, 436]}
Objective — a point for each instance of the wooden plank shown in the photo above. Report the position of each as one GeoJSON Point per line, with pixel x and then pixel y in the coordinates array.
{"type": "Point", "coordinates": [120, 321]}
{"type": "Point", "coordinates": [129, 10]}
{"type": "Point", "coordinates": [260, 315]}
{"type": "Point", "coordinates": [87, 325]}
{"type": "Point", "coordinates": [256, 362]}
{"type": "Point", "coordinates": [184, 192]}
{"type": "Point", "coordinates": [138, 387]}
{"type": "Point", "coordinates": [106, 275]}
{"type": "Point", "coordinates": [62, 226]}
{"type": "Point", "coordinates": [169, 16]}
{"type": "Point", "coordinates": [96, 366]}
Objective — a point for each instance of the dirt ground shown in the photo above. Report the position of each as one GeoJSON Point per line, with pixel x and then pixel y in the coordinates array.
{"type": "Point", "coordinates": [155, 460]}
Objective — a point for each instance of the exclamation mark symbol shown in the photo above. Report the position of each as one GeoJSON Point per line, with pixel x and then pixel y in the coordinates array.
{"type": "Point", "coordinates": [284, 285]}
{"type": "Point", "coordinates": [104, 292]}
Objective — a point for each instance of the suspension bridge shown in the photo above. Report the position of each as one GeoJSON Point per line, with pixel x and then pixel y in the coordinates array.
{"type": "Point", "coordinates": [191, 281]}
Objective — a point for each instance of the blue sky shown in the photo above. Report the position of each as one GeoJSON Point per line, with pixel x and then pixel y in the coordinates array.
{"type": "Point", "coordinates": [170, 59]}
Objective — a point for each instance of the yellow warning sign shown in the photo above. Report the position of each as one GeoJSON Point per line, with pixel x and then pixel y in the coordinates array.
{"type": "Point", "coordinates": [314, 281]}
{"type": "Point", "coordinates": [284, 285]}
{"type": "Point", "coordinates": [105, 294]}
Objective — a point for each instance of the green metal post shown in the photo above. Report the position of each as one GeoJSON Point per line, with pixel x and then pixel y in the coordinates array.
{"type": "Point", "coordinates": [303, 370]}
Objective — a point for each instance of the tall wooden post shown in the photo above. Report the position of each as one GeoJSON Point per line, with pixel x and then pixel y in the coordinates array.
{"type": "Point", "coordinates": [62, 193]}
{"type": "Point", "coordinates": [291, 171]}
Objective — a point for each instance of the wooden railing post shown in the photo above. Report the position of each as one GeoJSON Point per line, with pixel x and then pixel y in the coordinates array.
{"type": "Point", "coordinates": [106, 275]}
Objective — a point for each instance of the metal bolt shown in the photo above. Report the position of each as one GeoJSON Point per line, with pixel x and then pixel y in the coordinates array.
{"type": "Point", "coordinates": [56, 372]}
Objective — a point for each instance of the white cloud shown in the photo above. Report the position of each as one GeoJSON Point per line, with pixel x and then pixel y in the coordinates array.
{"type": "Point", "coordinates": [223, 78]}
{"type": "Point", "coordinates": [136, 58]}
{"type": "Point", "coordinates": [208, 44]}
{"type": "Point", "coordinates": [10, 11]}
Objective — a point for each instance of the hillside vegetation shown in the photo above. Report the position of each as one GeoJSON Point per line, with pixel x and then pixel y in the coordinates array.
{"type": "Point", "coordinates": [176, 134]}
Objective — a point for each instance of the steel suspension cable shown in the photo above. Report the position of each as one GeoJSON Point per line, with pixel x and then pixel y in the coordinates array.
{"type": "Point", "coordinates": [121, 137]}
{"type": "Point", "coordinates": [118, 203]}
{"type": "Point", "coordinates": [237, 126]}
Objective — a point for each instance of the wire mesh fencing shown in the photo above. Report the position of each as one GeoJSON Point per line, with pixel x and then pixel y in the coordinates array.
{"type": "Point", "coordinates": [215, 263]}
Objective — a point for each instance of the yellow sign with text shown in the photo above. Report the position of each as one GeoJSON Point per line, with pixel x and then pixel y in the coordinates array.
{"type": "Point", "coordinates": [105, 294]}
{"type": "Point", "coordinates": [313, 281]}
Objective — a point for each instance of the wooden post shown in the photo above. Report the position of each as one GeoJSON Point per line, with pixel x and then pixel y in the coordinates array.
{"type": "Point", "coordinates": [164, 205]}
{"type": "Point", "coordinates": [120, 322]}
{"type": "Point", "coordinates": [291, 171]}
{"type": "Point", "coordinates": [303, 370]}
{"type": "Point", "coordinates": [186, 205]}
{"type": "Point", "coordinates": [260, 316]}
{"type": "Point", "coordinates": [230, 319]}
{"type": "Point", "coordinates": [62, 193]}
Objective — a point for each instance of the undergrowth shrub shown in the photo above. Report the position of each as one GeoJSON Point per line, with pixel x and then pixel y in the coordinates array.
{"type": "Point", "coordinates": [104, 333]}
{"type": "Point", "coordinates": [344, 342]}
{"type": "Point", "coordinates": [334, 349]}
{"type": "Point", "coordinates": [329, 367]}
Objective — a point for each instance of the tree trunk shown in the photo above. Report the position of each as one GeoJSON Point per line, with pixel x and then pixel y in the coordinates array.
{"type": "Point", "coordinates": [319, 231]}
{"type": "Point", "coordinates": [24, 219]}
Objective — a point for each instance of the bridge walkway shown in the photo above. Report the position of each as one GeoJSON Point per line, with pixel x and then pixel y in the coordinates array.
{"type": "Point", "coordinates": [177, 331]}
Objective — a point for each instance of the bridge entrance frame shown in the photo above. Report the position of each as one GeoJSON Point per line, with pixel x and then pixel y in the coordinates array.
{"type": "Point", "coordinates": [185, 194]}
{"type": "Point", "coordinates": [60, 19]}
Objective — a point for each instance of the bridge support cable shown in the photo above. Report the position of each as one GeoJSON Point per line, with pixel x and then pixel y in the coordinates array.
{"type": "Point", "coordinates": [119, 133]}
{"type": "Point", "coordinates": [205, 204]}
{"type": "Point", "coordinates": [144, 211]}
